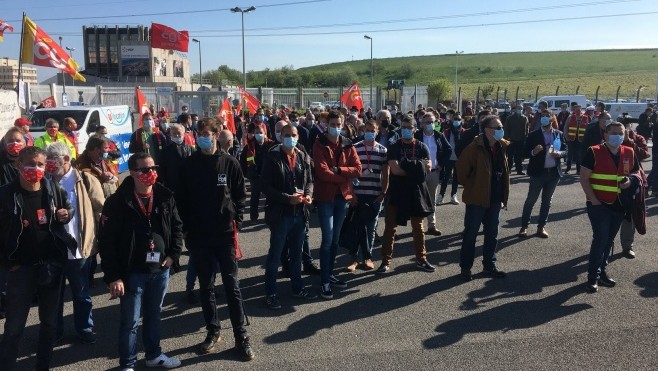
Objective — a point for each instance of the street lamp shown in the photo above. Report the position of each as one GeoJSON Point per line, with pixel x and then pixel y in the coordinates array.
{"type": "Point", "coordinates": [242, 11]}
{"type": "Point", "coordinates": [457, 53]}
{"type": "Point", "coordinates": [200, 73]}
{"type": "Point", "coordinates": [372, 73]}
{"type": "Point", "coordinates": [71, 50]}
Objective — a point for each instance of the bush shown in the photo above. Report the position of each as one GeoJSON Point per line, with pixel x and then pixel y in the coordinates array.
{"type": "Point", "coordinates": [486, 70]}
{"type": "Point", "coordinates": [518, 69]}
{"type": "Point", "coordinates": [438, 90]}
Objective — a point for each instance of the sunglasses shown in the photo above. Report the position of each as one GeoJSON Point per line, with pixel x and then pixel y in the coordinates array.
{"type": "Point", "coordinates": [145, 170]}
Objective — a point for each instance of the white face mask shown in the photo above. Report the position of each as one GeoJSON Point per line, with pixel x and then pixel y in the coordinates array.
{"type": "Point", "coordinates": [177, 140]}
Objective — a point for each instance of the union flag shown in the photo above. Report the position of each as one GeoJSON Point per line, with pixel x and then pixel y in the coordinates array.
{"type": "Point", "coordinates": [142, 106]}
{"type": "Point", "coordinates": [5, 26]}
{"type": "Point", "coordinates": [252, 102]}
{"type": "Point", "coordinates": [226, 114]}
{"type": "Point", "coordinates": [352, 97]}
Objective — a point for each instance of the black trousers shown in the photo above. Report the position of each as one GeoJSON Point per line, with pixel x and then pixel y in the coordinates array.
{"type": "Point", "coordinates": [255, 196]}
{"type": "Point", "coordinates": [515, 155]}
{"type": "Point", "coordinates": [222, 250]}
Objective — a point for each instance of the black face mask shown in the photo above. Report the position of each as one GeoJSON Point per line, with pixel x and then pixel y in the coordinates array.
{"type": "Point", "coordinates": [386, 122]}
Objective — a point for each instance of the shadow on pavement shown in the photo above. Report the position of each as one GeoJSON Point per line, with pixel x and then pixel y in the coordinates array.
{"type": "Point", "coordinates": [649, 285]}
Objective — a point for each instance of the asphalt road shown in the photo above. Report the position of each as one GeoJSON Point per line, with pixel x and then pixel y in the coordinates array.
{"type": "Point", "coordinates": [538, 318]}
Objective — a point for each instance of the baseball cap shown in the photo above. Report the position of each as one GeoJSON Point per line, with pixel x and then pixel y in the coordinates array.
{"type": "Point", "coordinates": [22, 121]}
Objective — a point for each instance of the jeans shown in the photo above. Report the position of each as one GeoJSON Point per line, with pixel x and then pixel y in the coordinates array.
{"type": "Point", "coordinates": [365, 241]}
{"type": "Point", "coordinates": [546, 184]}
{"type": "Point", "coordinates": [515, 155]}
{"type": "Point", "coordinates": [390, 226]}
{"type": "Point", "coordinates": [574, 154]}
{"type": "Point", "coordinates": [449, 171]}
{"type": "Point", "coordinates": [627, 234]}
{"type": "Point", "coordinates": [331, 215]}
{"type": "Point", "coordinates": [204, 260]}
{"type": "Point", "coordinates": [490, 218]}
{"type": "Point", "coordinates": [307, 259]}
{"type": "Point", "coordinates": [77, 273]}
{"type": "Point", "coordinates": [144, 292]}
{"type": "Point", "coordinates": [605, 225]}
{"type": "Point", "coordinates": [21, 288]}
{"type": "Point", "coordinates": [652, 179]}
{"type": "Point", "coordinates": [287, 233]}
{"type": "Point", "coordinates": [433, 180]}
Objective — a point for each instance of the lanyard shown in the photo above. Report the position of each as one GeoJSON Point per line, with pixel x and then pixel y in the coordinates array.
{"type": "Point", "coordinates": [146, 211]}
{"type": "Point", "coordinates": [365, 146]}
{"type": "Point", "coordinates": [292, 162]}
{"type": "Point", "coordinates": [413, 150]}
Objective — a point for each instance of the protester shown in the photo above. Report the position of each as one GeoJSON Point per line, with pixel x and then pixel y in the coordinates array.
{"type": "Point", "coordinates": [173, 156]}
{"type": "Point", "coordinates": [86, 196]}
{"type": "Point", "coordinates": [140, 239]}
{"type": "Point", "coordinates": [13, 143]}
{"type": "Point", "coordinates": [546, 148]}
{"type": "Point", "coordinates": [148, 139]}
{"type": "Point", "coordinates": [251, 161]}
{"type": "Point", "coordinates": [453, 135]}
{"type": "Point", "coordinates": [226, 143]}
{"type": "Point", "coordinates": [563, 116]}
{"type": "Point", "coordinates": [34, 251]}
{"type": "Point", "coordinates": [605, 171]}
{"type": "Point", "coordinates": [575, 130]}
{"type": "Point", "coordinates": [211, 196]}
{"type": "Point", "coordinates": [408, 196]}
{"type": "Point", "coordinates": [516, 132]}
{"type": "Point", "coordinates": [114, 153]}
{"type": "Point", "coordinates": [482, 171]}
{"type": "Point", "coordinates": [69, 130]}
{"type": "Point", "coordinates": [95, 161]}
{"type": "Point", "coordinates": [24, 125]}
{"type": "Point", "coordinates": [301, 130]}
{"type": "Point", "coordinates": [288, 185]}
{"type": "Point", "coordinates": [336, 164]}
{"type": "Point", "coordinates": [53, 135]}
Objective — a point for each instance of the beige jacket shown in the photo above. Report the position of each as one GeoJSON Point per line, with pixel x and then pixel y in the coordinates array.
{"type": "Point", "coordinates": [90, 206]}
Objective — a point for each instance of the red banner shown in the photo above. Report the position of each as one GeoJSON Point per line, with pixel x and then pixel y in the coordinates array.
{"type": "Point", "coordinates": [163, 37]}
{"type": "Point", "coordinates": [252, 102]}
{"type": "Point", "coordinates": [49, 102]}
{"type": "Point", "coordinates": [142, 106]}
{"type": "Point", "coordinates": [226, 113]}
{"type": "Point", "coordinates": [352, 97]}
{"type": "Point", "coordinates": [4, 26]}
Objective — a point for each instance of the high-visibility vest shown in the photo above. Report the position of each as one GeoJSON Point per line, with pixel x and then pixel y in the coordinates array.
{"type": "Point", "coordinates": [44, 140]}
{"type": "Point", "coordinates": [576, 127]}
{"type": "Point", "coordinates": [606, 176]}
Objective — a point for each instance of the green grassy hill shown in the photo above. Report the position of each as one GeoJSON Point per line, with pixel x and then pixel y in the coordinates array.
{"type": "Point", "coordinates": [566, 69]}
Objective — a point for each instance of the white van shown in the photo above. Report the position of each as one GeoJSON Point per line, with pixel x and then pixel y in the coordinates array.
{"type": "Point", "coordinates": [555, 102]}
{"type": "Point", "coordinates": [118, 120]}
{"type": "Point", "coordinates": [632, 109]}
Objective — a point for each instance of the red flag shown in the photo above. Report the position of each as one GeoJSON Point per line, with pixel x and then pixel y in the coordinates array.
{"type": "Point", "coordinates": [352, 97]}
{"type": "Point", "coordinates": [49, 102]}
{"type": "Point", "coordinates": [163, 37]}
{"type": "Point", "coordinates": [252, 102]}
{"type": "Point", "coordinates": [4, 26]}
{"type": "Point", "coordinates": [226, 113]}
{"type": "Point", "coordinates": [142, 106]}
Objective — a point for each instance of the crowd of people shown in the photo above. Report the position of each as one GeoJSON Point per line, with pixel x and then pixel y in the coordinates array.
{"type": "Point", "coordinates": [61, 206]}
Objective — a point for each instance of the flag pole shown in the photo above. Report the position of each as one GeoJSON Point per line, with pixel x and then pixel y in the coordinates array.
{"type": "Point", "coordinates": [20, 51]}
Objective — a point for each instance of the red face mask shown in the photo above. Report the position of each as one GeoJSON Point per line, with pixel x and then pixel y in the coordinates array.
{"type": "Point", "coordinates": [32, 174]}
{"type": "Point", "coordinates": [14, 148]}
{"type": "Point", "coordinates": [52, 131]}
{"type": "Point", "coordinates": [149, 178]}
{"type": "Point", "coordinates": [51, 166]}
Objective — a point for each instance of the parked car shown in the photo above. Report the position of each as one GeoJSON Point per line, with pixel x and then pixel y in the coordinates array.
{"type": "Point", "coordinates": [314, 105]}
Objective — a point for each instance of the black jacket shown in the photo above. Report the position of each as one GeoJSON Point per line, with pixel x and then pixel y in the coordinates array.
{"type": "Point", "coordinates": [11, 219]}
{"type": "Point", "coordinates": [273, 183]}
{"type": "Point", "coordinates": [116, 235]}
{"type": "Point", "coordinates": [211, 196]}
{"type": "Point", "coordinates": [536, 162]}
{"type": "Point", "coordinates": [443, 149]}
{"type": "Point", "coordinates": [172, 158]}
{"type": "Point", "coordinates": [467, 138]}
{"type": "Point", "coordinates": [7, 170]}
{"type": "Point", "coordinates": [415, 200]}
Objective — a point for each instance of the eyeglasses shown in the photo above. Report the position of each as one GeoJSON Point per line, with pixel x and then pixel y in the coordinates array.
{"type": "Point", "coordinates": [145, 170]}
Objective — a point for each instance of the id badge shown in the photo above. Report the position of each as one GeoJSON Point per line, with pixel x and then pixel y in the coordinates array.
{"type": "Point", "coordinates": [41, 216]}
{"type": "Point", "coordinates": [153, 257]}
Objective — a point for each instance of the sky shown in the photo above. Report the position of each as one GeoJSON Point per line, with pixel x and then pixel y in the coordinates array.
{"type": "Point", "coordinates": [304, 33]}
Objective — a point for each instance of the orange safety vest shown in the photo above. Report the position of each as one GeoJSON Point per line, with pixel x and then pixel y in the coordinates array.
{"type": "Point", "coordinates": [576, 128]}
{"type": "Point", "coordinates": [606, 176]}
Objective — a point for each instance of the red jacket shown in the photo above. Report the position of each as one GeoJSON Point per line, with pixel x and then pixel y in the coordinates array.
{"type": "Point", "coordinates": [327, 183]}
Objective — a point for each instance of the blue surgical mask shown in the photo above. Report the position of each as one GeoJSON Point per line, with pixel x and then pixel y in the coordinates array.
{"type": "Point", "coordinates": [290, 142]}
{"type": "Point", "coordinates": [429, 127]}
{"type": "Point", "coordinates": [263, 118]}
{"type": "Point", "coordinates": [278, 136]}
{"type": "Point", "coordinates": [310, 123]}
{"type": "Point", "coordinates": [394, 112]}
{"type": "Point", "coordinates": [334, 132]}
{"type": "Point", "coordinates": [545, 121]}
{"type": "Point", "coordinates": [499, 134]}
{"type": "Point", "coordinates": [407, 133]}
{"type": "Point", "coordinates": [295, 123]}
{"type": "Point", "coordinates": [615, 140]}
{"type": "Point", "coordinates": [177, 140]}
{"type": "Point", "coordinates": [204, 142]}
{"type": "Point", "coordinates": [195, 124]}
{"type": "Point", "coordinates": [106, 155]}
{"type": "Point", "coordinates": [148, 124]}
{"type": "Point", "coordinates": [369, 136]}
{"type": "Point", "coordinates": [608, 122]}
{"type": "Point", "coordinates": [456, 123]}
{"type": "Point", "coordinates": [519, 112]}
{"type": "Point", "coordinates": [259, 137]}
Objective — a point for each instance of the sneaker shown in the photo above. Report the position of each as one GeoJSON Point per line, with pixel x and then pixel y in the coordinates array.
{"type": "Point", "coordinates": [128, 369]}
{"type": "Point", "coordinates": [273, 302]}
{"type": "Point", "coordinates": [305, 294]}
{"type": "Point", "coordinates": [326, 292]}
{"type": "Point", "coordinates": [311, 269]}
{"type": "Point", "coordinates": [466, 275]}
{"type": "Point", "coordinates": [454, 200]}
{"type": "Point", "coordinates": [87, 337]}
{"type": "Point", "coordinates": [383, 269]}
{"type": "Point", "coordinates": [352, 266]}
{"type": "Point", "coordinates": [439, 201]}
{"type": "Point", "coordinates": [628, 253]}
{"type": "Point", "coordinates": [425, 266]}
{"type": "Point", "coordinates": [592, 286]}
{"type": "Point", "coordinates": [495, 272]}
{"type": "Point", "coordinates": [211, 341]}
{"type": "Point", "coordinates": [163, 361]}
{"type": "Point", "coordinates": [244, 347]}
{"type": "Point", "coordinates": [334, 281]}
{"type": "Point", "coordinates": [605, 280]}
{"type": "Point", "coordinates": [191, 296]}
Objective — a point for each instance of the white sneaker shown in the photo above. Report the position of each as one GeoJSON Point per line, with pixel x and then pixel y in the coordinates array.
{"type": "Point", "coordinates": [163, 361]}
{"type": "Point", "coordinates": [454, 200]}
{"type": "Point", "coordinates": [439, 200]}
{"type": "Point", "coordinates": [128, 369]}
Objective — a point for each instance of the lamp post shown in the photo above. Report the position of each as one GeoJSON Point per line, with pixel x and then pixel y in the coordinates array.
{"type": "Point", "coordinates": [457, 53]}
{"type": "Point", "coordinates": [71, 50]}
{"type": "Point", "coordinates": [200, 70]}
{"type": "Point", "coordinates": [372, 73]}
{"type": "Point", "coordinates": [62, 72]}
{"type": "Point", "coordinates": [242, 11]}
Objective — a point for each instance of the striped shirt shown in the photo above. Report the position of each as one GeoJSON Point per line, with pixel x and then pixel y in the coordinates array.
{"type": "Point", "coordinates": [372, 160]}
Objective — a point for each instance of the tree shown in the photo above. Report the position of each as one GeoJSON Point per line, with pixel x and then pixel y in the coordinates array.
{"type": "Point", "coordinates": [438, 90]}
{"type": "Point", "coordinates": [487, 90]}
